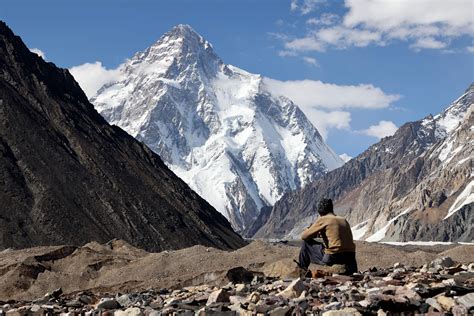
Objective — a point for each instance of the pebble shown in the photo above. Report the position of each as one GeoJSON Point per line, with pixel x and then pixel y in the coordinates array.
{"type": "Point", "coordinates": [439, 286]}
{"type": "Point", "coordinates": [467, 300]}
{"type": "Point", "coordinates": [108, 303]}
{"type": "Point", "coordinates": [218, 296]}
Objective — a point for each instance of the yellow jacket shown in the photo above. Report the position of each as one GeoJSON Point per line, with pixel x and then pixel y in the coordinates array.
{"type": "Point", "coordinates": [335, 232]}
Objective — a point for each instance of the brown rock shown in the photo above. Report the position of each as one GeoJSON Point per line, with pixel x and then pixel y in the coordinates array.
{"type": "Point", "coordinates": [446, 302]}
{"type": "Point", "coordinates": [284, 268]}
{"type": "Point", "coordinates": [219, 296]}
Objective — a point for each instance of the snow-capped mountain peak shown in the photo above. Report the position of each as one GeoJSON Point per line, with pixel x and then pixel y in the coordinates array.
{"type": "Point", "coordinates": [215, 125]}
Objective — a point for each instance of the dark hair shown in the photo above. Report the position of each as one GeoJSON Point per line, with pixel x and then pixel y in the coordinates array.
{"type": "Point", "coordinates": [325, 207]}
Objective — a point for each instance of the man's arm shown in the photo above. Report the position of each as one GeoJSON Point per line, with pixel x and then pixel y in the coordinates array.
{"type": "Point", "coordinates": [313, 230]}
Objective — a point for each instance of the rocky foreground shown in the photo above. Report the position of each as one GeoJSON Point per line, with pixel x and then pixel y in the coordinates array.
{"type": "Point", "coordinates": [119, 279]}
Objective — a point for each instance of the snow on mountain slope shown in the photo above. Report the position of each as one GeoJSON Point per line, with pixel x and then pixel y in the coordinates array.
{"type": "Point", "coordinates": [414, 185]}
{"type": "Point", "coordinates": [215, 125]}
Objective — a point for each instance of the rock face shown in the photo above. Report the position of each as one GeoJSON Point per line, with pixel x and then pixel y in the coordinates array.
{"type": "Point", "coordinates": [414, 185]}
{"type": "Point", "coordinates": [67, 176]}
{"type": "Point", "coordinates": [215, 125]}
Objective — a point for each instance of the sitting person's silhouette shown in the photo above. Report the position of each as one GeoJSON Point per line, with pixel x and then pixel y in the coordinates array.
{"type": "Point", "coordinates": [338, 245]}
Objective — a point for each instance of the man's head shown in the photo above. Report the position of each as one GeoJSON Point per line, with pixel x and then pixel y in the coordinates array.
{"type": "Point", "coordinates": [325, 207]}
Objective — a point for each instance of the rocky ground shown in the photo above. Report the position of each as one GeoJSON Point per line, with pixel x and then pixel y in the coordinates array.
{"type": "Point", "coordinates": [117, 278]}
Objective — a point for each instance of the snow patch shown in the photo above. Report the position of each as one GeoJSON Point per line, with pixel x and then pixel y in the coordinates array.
{"type": "Point", "coordinates": [359, 230]}
{"type": "Point", "coordinates": [380, 234]}
{"type": "Point", "coordinates": [422, 243]}
{"type": "Point", "coordinates": [466, 197]}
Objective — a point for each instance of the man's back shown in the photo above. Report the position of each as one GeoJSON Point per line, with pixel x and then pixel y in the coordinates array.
{"type": "Point", "coordinates": [335, 231]}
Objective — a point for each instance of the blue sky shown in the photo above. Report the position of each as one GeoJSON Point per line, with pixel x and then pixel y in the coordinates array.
{"type": "Point", "coordinates": [369, 65]}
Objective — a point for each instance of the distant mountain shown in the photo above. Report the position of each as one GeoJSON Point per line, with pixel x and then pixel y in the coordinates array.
{"type": "Point", "coordinates": [215, 125]}
{"type": "Point", "coordinates": [414, 185]}
{"type": "Point", "coordinates": [68, 177]}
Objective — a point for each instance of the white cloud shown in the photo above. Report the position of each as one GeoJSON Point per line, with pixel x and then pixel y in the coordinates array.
{"type": "Point", "coordinates": [382, 129]}
{"type": "Point", "coordinates": [470, 49]}
{"type": "Point", "coordinates": [325, 104]}
{"type": "Point", "coordinates": [287, 53]}
{"type": "Point", "coordinates": [92, 76]}
{"type": "Point", "coordinates": [324, 19]}
{"type": "Point", "coordinates": [38, 52]}
{"type": "Point", "coordinates": [305, 44]}
{"type": "Point", "coordinates": [428, 43]}
{"type": "Point", "coordinates": [314, 93]}
{"type": "Point", "coordinates": [424, 24]}
{"type": "Point", "coordinates": [310, 60]}
{"type": "Point", "coordinates": [345, 157]}
{"type": "Point", "coordinates": [304, 6]}
{"type": "Point", "coordinates": [326, 120]}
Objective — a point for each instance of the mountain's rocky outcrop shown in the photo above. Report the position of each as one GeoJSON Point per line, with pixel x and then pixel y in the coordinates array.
{"type": "Point", "coordinates": [216, 126]}
{"type": "Point", "coordinates": [67, 176]}
{"type": "Point", "coordinates": [414, 185]}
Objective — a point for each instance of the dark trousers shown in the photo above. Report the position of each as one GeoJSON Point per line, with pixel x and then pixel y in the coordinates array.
{"type": "Point", "coordinates": [312, 251]}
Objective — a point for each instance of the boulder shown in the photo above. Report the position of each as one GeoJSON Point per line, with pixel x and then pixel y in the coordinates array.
{"type": "Point", "coordinates": [467, 300]}
{"type": "Point", "coordinates": [219, 296]}
{"type": "Point", "coordinates": [293, 290]}
{"type": "Point", "coordinates": [284, 268]}
{"type": "Point", "coordinates": [447, 303]}
{"type": "Point", "coordinates": [239, 275]}
{"type": "Point", "coordinates": [108, 303]}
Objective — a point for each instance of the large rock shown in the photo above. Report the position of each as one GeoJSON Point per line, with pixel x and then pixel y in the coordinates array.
{"type": "Point", "coordinates": [467, 300]}
{"type": "Point", "coordinates": [293, 290]}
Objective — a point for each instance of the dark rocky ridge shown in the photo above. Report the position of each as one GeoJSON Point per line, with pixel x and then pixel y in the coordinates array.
{"type": "Point", "coordinates": [400, 170]}
{"type": "Point", "coordinates": [68, 177]}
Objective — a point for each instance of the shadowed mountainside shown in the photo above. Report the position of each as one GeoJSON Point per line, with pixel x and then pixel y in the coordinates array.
{"type": "Point", "coordinates": [67, 176]}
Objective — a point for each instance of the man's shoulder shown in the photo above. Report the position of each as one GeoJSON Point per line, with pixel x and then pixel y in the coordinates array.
{"type": "Point", "coordinates": [335, 218]}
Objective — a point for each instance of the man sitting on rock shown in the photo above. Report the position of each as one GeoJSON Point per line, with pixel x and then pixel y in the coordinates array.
{"type": "Point", "coordinates": [338, 246]}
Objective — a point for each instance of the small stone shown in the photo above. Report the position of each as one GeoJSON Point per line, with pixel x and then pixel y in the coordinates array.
{"type": "Point", "coordinates": [455, 269]}
{"type": "Point", "coordinates": [36, 309]}
{"type": "Point", "coordinates": [240, 287]}
{"type": "Point", "coordinates": [74, 304]}
{"type": "Point", "coordinates": [86, 299]}
{"type": "Point", "coordinates": [449, 282]}
{"type": "Point", "coordinates": [467, 300]}
{"type": "Point", "coordinates": [446, 302]}
{"type": "Point", "coordinates": [397, 265]}
{"type": "Point", "coordinates": [124, 300]}
{"type": "Point", "coordinates": [254, 297]}
{"type": "Point", "coordinates": [157, 303]}
{"type": "Point", "coordinates": [132, 311]}
{"type": "Point", "coordinates": [57, 293]}
{"type": "Point", "coordinates": [434, 303]}
{"type": "Point", "coordinates": [108, 303]}
{"type": "Point", "coordinates": [219, 296]}
{"type": "Point", "coordinates": [444, 262]}
{"type": "Point", "coordinates": [411, 295]}
{"type": "Point", "coordinates": [279, 311]}
{"type": "Point", "coordinates": [348, 311]}
{"type": "Point", "coordinates": [470, 267]}
{"type": "Point", "coordinates": [381, 312]}
{"type": "Point", "coordinates": [293, 290]}
{"type": "Point", "coordinates": [237, 308]}
{"type": "Point", "coordinates": [459, 310]}
{"type": "Point", "coordinates": [234, 299]}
